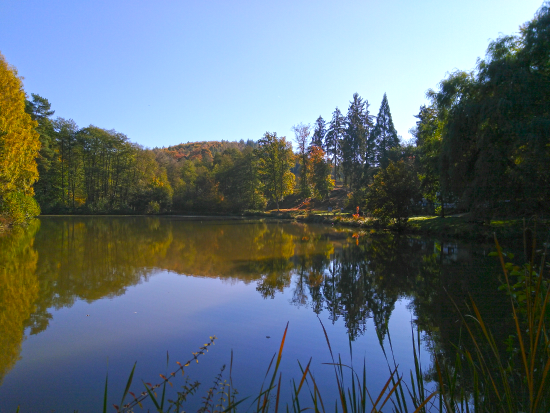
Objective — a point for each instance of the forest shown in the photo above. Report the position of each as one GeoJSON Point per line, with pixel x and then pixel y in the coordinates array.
{"type": "Point", "coordinates": [481, 145]}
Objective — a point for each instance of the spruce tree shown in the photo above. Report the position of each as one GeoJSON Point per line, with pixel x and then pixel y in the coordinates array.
{"type": "Point", "coordinates": [333, 139]}
{"type": "Point", "coordinates": [319, 133]}
{"type": "Point", "coordinates": [384, 135]}
{"type": "Point", "coordinates": [354, 145]}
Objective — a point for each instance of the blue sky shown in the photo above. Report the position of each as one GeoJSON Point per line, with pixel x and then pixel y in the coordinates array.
{"type": "Point", "coordinates": [167, 72]}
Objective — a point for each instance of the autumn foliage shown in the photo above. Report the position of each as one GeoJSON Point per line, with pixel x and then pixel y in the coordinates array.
{"type": "Point", "coordinates": [19, 146]}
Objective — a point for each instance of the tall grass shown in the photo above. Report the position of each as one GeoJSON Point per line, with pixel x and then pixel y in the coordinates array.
{"type": "Point", "coordinates": [481, 378]}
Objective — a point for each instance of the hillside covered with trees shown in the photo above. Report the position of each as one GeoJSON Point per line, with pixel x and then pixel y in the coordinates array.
{"type": "Point", "coordinates": [482, 145]}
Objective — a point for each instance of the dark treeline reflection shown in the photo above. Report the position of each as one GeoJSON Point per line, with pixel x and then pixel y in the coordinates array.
{"type": "Point", "coordinates": [353, 277]}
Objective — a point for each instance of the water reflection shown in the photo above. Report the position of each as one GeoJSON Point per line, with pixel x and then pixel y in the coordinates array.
{"type": "Point", "coordinates": [19, 289]}
{"type": "Point", "coordinates": [350, 278]}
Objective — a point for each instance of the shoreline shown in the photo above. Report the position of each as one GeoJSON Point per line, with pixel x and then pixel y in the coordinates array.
{"type": "Point", "coordinates": [455, 227]}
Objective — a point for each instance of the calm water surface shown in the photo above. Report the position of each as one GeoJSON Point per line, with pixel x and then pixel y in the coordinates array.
{"type": "Point", "coordinates": [81, 296]}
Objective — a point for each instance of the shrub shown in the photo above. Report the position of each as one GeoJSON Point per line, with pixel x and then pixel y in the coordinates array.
{"type": "Point", "coordinates": [393, 192]}
{"type": "Point", "coordinates": [18, 208]}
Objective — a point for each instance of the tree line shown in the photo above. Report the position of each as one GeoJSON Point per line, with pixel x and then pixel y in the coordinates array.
{"type": "Point", "coordinates": [482, 144]}
{"type": "Point", "coordinates": [94, 170]}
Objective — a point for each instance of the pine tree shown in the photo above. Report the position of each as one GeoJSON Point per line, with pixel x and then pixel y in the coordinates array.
{"type": "Point", "coordinates": [333, 139]}
{"type": "Point", "coordinates": [384, 135]}
{"type": "Point", "coordinates": [318, 138]}
{"type": "Point", "coordinates": [40, 110]}
{"type": "Point", "coordinates": [354, 145]}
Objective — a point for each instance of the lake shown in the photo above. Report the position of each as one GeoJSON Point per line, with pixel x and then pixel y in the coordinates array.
{"type": "Point", "coordinates": [81, 297]}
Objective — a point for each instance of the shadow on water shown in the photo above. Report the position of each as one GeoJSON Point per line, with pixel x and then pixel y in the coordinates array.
{"type": "Point", "coordinates": [354, 277]}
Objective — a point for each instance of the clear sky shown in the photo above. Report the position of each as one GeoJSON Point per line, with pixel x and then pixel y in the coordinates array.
{"type": "Point", "coordinates": [171, 71]}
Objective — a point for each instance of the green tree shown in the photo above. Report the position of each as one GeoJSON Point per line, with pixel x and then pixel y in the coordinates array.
{"type": "Point", "coordinates": [384, 135]}
{"type": "Point", "coordinates": [19, 147]}
{"type": "Point", "coordinates": [184, 186]}
{"type": "Point", "coordinates": [239, 180]}
{"type": "Point", "coordinates": [46, 188]}
{"type": "Point", "coordinates": [151, 191]}
{"type": "Point", "coordinates": [393, 193]}
{"type": "Point", "coordinates": [496, 134]}
{"type": "Point", "coordinates": [70, 161]}
{"type": "Point", "coordinates": [319, 133]}
{"type": "Point", "coordinates": [333, 140]}
{"type": "Point", "coordinates": [275, 160]}
{"type": "Point", "coordinates": [354, 143]}
{"type": "Point", "coordinates": [108, 166]}
{"type": "Point", "coordinates": [428, 136]}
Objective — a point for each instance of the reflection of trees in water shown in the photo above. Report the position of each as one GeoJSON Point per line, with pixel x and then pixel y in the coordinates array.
{"type": "Point", "coordinates": [91, 258]}
{"type": "Point", "coordinates": [364, 281]}
{"type": "Point", "coordinates": [76, 258]}
{"type": "Point", "coordinates": [358, 282]}
{"type": "Point", "coordinates": [18, 291]}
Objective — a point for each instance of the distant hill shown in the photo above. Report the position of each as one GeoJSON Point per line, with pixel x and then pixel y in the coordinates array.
{"type": "Point", "coordinates": [204, 150]}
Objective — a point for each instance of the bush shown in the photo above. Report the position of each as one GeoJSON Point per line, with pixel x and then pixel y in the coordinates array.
{"type": "Point", "coordinates": [393, 193]}
{"type": "Point", "coordinates": [18, 208]}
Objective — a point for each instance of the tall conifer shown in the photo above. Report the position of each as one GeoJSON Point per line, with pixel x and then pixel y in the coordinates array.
{"type": "Point", "coordinates": [333, 139]}
{"type": "Point", "coordinates": [358, 124]}
{"type": "Point", "coordinates": [318, 138]}
{"type": "Point", "coordinates": [384, 135]}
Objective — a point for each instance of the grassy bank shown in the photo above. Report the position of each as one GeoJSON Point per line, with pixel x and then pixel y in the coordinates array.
{"type": "Point", "coordinates": [460, 227]}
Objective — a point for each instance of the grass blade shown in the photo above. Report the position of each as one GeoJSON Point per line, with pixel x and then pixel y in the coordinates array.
{"type": "Point", "coordinates": [128, 384]}
{"type": "Point", "coordinates": [104, 395]}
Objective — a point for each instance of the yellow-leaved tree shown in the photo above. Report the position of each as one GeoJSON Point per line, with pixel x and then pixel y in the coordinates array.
{"type": "Point", "coordinates": [19, 146]}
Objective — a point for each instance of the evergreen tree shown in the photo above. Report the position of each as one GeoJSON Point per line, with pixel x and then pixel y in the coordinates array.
{"type": "Point", "coordinates": [333, 139]}
{"type": "Point", "coordinates": [318, 138]}
{"type": "Point", "coordinates": [40, 110]}
{"type": "Point", "coordinates": [384, 135]}
{"type": "Point", "coordinates": [354, 145]}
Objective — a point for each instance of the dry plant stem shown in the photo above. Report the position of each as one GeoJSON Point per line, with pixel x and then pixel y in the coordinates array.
{"type": "Point", "coordinates": [166, 380]}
